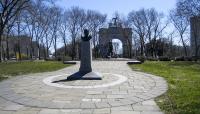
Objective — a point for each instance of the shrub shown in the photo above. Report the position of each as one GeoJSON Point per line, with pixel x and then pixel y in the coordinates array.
{"type": "Point", "coordinates": [188, 58]}
{"type": "Point", "coordinates": [23, 56]}
{"type": "Point", "coordinates": [50, 59]}
{"type": "Point", "coordinates": [59, 58]}
{"type": "Point", "coordinates": [141, 58]}
{"type": "Point", "coordinates": [63, 58]}
{"type": "Point", "coordinates": [152, 59]}
{"type": "Point", "coordinates": [164, 58]}
{"type": "Point", "coordinates": [181, 58]}
{"type": "Point", "coordinates": [67, 58]}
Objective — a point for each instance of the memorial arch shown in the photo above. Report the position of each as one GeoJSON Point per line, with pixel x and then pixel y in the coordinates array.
{"type": "Point", "coordinates": [115, 31]}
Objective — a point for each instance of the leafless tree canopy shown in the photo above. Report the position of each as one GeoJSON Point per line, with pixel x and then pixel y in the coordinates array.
{"type": "Point", "coordinates": [188, 7]}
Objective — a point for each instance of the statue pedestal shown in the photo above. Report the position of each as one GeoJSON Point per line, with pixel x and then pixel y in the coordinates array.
{"type": "Point", "coordinates": [85, 71]}
{"type": "Point", "coordinates": [86, 57]}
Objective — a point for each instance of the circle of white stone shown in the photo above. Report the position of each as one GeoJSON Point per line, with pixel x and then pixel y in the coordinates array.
{"type": "Point", "coordinates": [48, 81]}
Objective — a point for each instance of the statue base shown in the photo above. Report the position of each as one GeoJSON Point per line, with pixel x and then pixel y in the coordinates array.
{"type": "Point", "coordinates": [85, 76]}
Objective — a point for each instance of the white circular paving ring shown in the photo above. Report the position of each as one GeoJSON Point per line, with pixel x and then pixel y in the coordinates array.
{"type": "Point", "coordinates": [49, 81]}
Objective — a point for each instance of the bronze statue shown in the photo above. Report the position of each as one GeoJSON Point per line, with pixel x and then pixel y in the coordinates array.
{"type": "Point", "coordinates": [115, 21]}
{"type": "Point", "coordinates": [86, 37]}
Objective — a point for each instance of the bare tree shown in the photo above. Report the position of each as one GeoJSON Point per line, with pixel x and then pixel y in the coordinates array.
{"type": "Point", "coordinates": [82, 20]}
{"type": "Point", "coordinates": [8, 30]}
{"type": "Point", "coordinates": [63, 31]}
{"type": "Point", "coordinates": [55, 26]}
{"type": "Point", "coordinates": [154, 27]}
{"type": "Point", "coordinates": [8, 11]}
{"type": "Point", "coordinates": [19, 30]}
{"type": "Point", "coordinates": [170, 38]}
{"type": "Point", "coordinates": [73, 17]}
{"type": "Point", "coordinates": [181, 24]}
{"type": "Point", "coordinates": [47, 39]}
{"type": "Point", "coordinates": [30, 22]}
{"type": "Point", "coordinates": [51, 29]}
{"type": "Point", "coordinates": [188, 8]}
{"type": "Point", "coordinates": [148, 25]}
{"type": "Point", "coordinates": [39, 22]}
{"type": "Point", "coordinates": [95, 21]}
{"type": "Point", "coordinates": [137, 19]}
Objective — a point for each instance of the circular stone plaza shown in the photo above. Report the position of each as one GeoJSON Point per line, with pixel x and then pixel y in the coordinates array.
{"type": "Point", "coordinates": [121, 91]}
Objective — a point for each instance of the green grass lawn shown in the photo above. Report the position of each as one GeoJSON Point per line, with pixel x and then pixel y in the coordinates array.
{"type": "Point", "coordinates": [19, 68]}
{"type": "Point", "coordinates": [183, 96]}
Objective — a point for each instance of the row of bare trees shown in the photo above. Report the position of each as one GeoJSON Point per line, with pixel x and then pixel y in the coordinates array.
{"type": "Point", "coordinates": [76, 20]}
{"type": "Point", "coordinates": [47, 25]}
{"type": "Point", "coordinates": [150, 25]}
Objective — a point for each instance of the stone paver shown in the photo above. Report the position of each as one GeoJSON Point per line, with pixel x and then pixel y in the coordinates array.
{"type": "Point", "coordinates": [29, 95]}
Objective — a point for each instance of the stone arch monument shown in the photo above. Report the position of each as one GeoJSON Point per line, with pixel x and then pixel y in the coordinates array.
{"type": "Point", "coordinates": [115, 31]}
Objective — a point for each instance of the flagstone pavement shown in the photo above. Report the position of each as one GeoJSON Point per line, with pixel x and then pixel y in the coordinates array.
{"type": "Point", "coordinates": [121, 91]}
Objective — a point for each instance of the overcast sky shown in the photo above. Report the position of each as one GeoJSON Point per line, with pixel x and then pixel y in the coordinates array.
{"type": "Point", "coordinates": [122, 6]}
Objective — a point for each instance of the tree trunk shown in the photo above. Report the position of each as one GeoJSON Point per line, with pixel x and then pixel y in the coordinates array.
{"type": "Point", "coordinates": [44, 51]}
{"type": "Point", "coordinates": [141, 50]}
{"type": "Point", "coordinates": [38, 51]}
{"type": "Point", "coordinates": [73, 49]}
{"type": "Point", "coordinates": [151, 44]}
{"type": "Point", "coordinates": [27, 52]}
{"type": "Point", "coordinates": [4, 55]}
{"type": "Point", "coordinates": [7, 49]}
{"type": "Point", "coordinates": [47, 52]}
{"type": "Point", "coordinates": [19, 50]}
{"type": "Point", "coordinates": [31, 49]}
{"type": "Point", "coordinates": [31, 53]}
{"type": "Point", "coordinates": [55, 46]}
{"type": "Point", "coordinates": [154, 54]}
{"type": "Point", "coordinates": [142, 46]}
{"type": "Point", "coordinates": [184, 46]}
{"type": "Point", "coordinates": [0, 47]}
{"type": "Point", "coordinates": [94, 43]}
{"type": "Point", "coordinates": [65, 49]}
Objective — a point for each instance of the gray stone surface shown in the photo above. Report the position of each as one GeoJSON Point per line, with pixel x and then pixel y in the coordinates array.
{"type": "Point", "coordinates": [29, 95]}
{"type": "Point", "coordinates": [14, 107]}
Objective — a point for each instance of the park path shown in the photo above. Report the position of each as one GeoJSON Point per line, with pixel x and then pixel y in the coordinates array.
{"type": "Point", "coordinates": [134, 94]}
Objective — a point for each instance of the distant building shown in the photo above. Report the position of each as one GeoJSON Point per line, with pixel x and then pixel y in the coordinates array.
{"type": "Point", "coordinates": [14, 43]}
{"type": "Point", "coordinates": [195, 35]}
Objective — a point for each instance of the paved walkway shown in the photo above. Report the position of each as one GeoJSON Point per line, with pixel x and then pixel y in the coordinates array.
{"type": "Point", "coordinates": [122, 91]}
